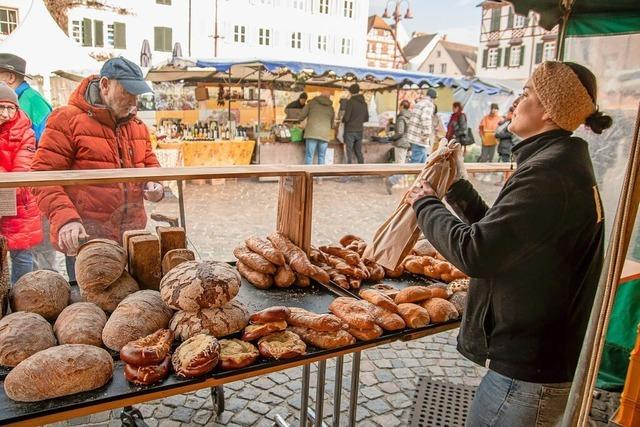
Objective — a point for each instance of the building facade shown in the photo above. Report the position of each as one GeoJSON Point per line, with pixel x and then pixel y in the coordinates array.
{"type": "Point", "coordinates": [383, 51]}
{"type": "Point", "coordinates": [11, 13]}
{"type": "Point", "coordinates": [512, 45]}
{"type": "Point", "coordinates": [450, 59]}
{"type": "Point", "coordinates": [326, 31]}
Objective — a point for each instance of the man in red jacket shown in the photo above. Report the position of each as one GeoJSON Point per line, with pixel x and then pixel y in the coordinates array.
{"type": "Point", "coordinates": [97, 130]}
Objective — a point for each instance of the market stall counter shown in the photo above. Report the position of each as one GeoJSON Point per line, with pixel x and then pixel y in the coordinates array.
{"type": "Point", "coordinates": [293, 153]}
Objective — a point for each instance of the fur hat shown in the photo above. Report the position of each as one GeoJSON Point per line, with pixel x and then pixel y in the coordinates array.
{"type": "Point", "coordinates": [562, 94]}
{"type": "Point", "coordinates": [7, 94]}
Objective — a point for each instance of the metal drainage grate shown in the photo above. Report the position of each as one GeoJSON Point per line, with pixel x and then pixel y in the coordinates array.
{"type": "Point", "coordinates": [439, 404]}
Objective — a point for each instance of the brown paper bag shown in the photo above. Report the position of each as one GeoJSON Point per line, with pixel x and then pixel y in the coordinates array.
{"type": "Point", "coordinates": [395, 238]}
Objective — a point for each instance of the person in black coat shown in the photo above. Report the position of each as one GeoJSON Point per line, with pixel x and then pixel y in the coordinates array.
{"type": "Point", "coordinates": [506, 139]}
{"type": "Point", "coordinates": [356, 114]}
{"type": "Point", "coordinates": [534, 257]}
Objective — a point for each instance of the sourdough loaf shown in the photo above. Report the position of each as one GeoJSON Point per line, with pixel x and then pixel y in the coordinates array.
{"type": "Point", "coordinates": [23, 334]}
{"type": "Point", "coordinates": [99, 263]}
{"type": "Point", "coordinates": [43, 292]}
{"type": "Point", "coordinates": [80, 323]}
{"type": "Point", "coordinates": [219, 322]}
{"type": "Point", "coordinates": [109, 298]}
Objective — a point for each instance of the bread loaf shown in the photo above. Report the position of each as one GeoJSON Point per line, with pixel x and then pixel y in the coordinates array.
{"type": "Point", "coordinates": [4, 276]}
{"type": "Point", "coordinates": [266, 249]}
{"type": "Point", "coordinates": [59, 371]}
{"type": "Point", "coordinates": [23, 334]}
{"type": "Point", "coordinates": [319, 322]}
{"type": "Point", "coordinates": [99, 263]}
{"type": "Point", "coordinates": [109, 298]}
{"type": "Point", "coordinates": [459, 301]}
{"type": "Point", "coordinates": [440, 310]}
{"type": "Point", "coordinates": [378, 298]}
{"type": "Point", "coordinates": [297, 259]}
{"type": "Point", "coordinates": [376, 271]}
{"type": "Point", "coordinates": [302, 281]}
{"type": "Point", "coordinates": [439, 291]}
{"type": "Point", "coordinates": [366, 334]}
{"type": "Point", "coordinates": [200, 284]}
{"type": "Point", "coordinates": [413, 315]}
{"type": "Point", "coordinates": [386, 319]}
{"type": "Point", "coordinates": [253, 260]}
{"type": "Point", "coordinates": [324, 340]}
{"type": "Point", "coordinates": [43, 292]}
{"type": "Point", "coordinates": [171, 238]}
{"type": "Point", "coordinates": [351, 313]}
{"type": "Point", "coordinates": [219, 322]}
{"type": "Point", "coordinates": [424, 248]}
{"type": "Point", "coordinates": [281, 345]}
{"type": "Point", "coordinates": [271, 314]}
{"type": "Point", "coordinates": [175, 257]}
{"type": "Point", "coordinates": [284, 276]}
{"type": "Point", "coordinates": [349, 256]}
{"type": "Point", "coordinates": [196, 356]}
{"type": "Point", "coordinates": [80, 323]}
{"type": "Point", "coordinates": [145, 264]}
{"type": "Point", "coordinates": [236, 354]}
{"type": "Point", "coordinates": [413, 294]}
{"type": "Point", "coordinates": [458, 285]}
{"type": "Point", "coordinates": [253, 332]}
{"type": "Point", "coordinates": [257, 279]}
{"type": "Point", "coordinates": [394, 274]}
{"type": "Point", "coordinates": [138, 315]}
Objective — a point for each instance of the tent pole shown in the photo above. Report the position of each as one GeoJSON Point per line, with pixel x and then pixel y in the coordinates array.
{"type": "Point", "coordinates": [259, 104]}
{"type": "Point", "coordinates": [397, 100]}
{"type": "Point", "coordinates": [229, 111]}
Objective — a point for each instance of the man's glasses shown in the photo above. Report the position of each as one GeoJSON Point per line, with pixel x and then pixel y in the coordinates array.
{"type": "Point", "coordinates": [10, 110]}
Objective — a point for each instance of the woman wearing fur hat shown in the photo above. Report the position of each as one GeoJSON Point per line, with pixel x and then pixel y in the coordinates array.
{"type": "Point", "coordinates": [534, 257]}
{"type": "Point", "coordinates": [17, 146]}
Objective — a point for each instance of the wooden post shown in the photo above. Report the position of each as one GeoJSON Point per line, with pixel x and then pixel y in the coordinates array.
{"type": "Point", "coordinates": [295, 202]}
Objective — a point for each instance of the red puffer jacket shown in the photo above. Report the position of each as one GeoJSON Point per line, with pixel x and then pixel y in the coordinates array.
{"type": "Point", "coordinates": [86, 135]}
{"type": "Point", "coordinates": [17, 145]}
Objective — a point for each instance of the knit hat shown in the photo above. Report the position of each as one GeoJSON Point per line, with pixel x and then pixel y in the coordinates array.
{"type": "Point", "coordinates": [7, 94]}
{"type": "Point", "coordinates": [562, 94]}
{"type": "Point", "coordinates": [432, 93]}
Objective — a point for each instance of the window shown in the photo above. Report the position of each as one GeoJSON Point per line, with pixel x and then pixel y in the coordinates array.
{"type": "Point", "coordinates": [514, 56]}
{"type": "Point", "coordinates": [432, 68]}
{"type": "Point", "coordinates": [495, 19]}
{"type": "Point", "coordinates": [443, 68]}
{"type": "Point", "coordinates": [264, 37]}
{"type": "Point", "coordinates": [438, 54]}
{"type": "Point", "coordinates": [86, 32]}
{"type": "Point", "coordinates": [492, 61]}
{"type": "Point", "coordinates": [76, 32]}
{"type": "Point", "coordinates": [296, 40]}
{"type": "Point", "coordinates": [322, 43]}
{"type": "Point", "coordinates": [239, 32]}
{"type": "Point", "coordinates": [519, 21]}
{"type": "Point", "coordinates": [549, 52]}
{"type": "Point", "coordinates": [298, 4]}
{"type": "Point", "coordinates": [8, 20]}
{"type": "Point", "coordinates": [119, 35]}
{"type": "Point", "coordinates": [348, 8]}
{"type": "Point", "coordinates": [323, 6]}
{"type": "Point", "coordinates": [167, 2]}
{"type": "Point", "coordinates": [162, 39]}
{"type": "Point", "coordinates": [98, 32]}
{"type": "Point", "coordinates": [345, 48]}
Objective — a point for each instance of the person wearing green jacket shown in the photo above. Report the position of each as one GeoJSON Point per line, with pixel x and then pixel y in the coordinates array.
{"type": "Point", "coordinates": [318, 132]}
{"type": "Point", "coordinates": [12, 72]}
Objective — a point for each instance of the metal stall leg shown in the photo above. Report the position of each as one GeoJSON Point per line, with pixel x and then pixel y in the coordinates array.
{"type": "Point", "coordinates": [304, 398]}
{"type": "Point", "coordinates": [355, 381]}
{"type": "Point", "coordinates": [217, 399]}
{"type": "Point", "coordinates": [317, 416]}
{"type": "Point", "coordinates": [132, 417]}
{"type": "Point", "coordinates": [337, 392]}
{"type": "Point", "coordinates": [183, 218]}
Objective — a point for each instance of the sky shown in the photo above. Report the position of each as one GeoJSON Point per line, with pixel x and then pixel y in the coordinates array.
{"type": "Point", "coordinates": [459, 19]}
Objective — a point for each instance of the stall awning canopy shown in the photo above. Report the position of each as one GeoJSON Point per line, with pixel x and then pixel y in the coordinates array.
{"type": "Point", "coordinates": [287, 74]}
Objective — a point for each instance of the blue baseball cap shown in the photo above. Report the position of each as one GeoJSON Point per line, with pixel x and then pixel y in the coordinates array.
{"type": "Point", "coordinates": [127, 73]}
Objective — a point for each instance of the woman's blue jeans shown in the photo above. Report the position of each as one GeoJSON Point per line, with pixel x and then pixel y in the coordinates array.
{"type": "Point", "coordinates": [21, 264]}
{"type": "Point", "coordinates": [310, 150]}
{"type": "Point", "coordinates": [506, 402]}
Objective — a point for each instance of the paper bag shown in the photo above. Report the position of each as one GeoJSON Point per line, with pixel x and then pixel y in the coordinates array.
{"type": "Point", "coordinates": [395, 239]}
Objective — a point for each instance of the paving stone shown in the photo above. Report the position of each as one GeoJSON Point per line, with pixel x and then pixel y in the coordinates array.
{"type": "Point", "coordinates": [447, 362]}
{"type": "Point", "coordinates": [236, 385]}
{"type": "Point", "coordinates": [204, 393]}
{"type": "Point", "coordinates": [294, 386]}
{"type": "Point", "coordinates": [105, 416]}
{"type": "Point", "coordinates": [400, 401]}
{"type": "Point", "coordinates": [378, 406]}
{"type": "Point", "coordinates": [182, 414]}
{"type": "Point", "coordinates": [279, 378]}
{"type": "Point", "coordinates": [245, 418]}
{"type": "Point", "coordinates": [388, 354]}
{"type": "Point", "coordinates": [162, 411]}
{"type": "Point", "coordinates": [383, 363]}
{"type": "Point", "coordinates": [264, 423]}
{"type": "Point", "coordinates": [249, 393]}
{"type": "Point", "coordinates": [397, 363]}
{"type": "Point", "coordinates": [202, 417]}
{"type": "Point", "coordinates": [436, 370]}
{"type": "Point", "coordinates": [281, 391]}
{"type": "Point", "coordinates": [389, 388]}
{"type": "Point", "coordinates": [361, 414]}
{"type": "Point", "coordinates": [387, 420]}
{"type": "Point", "coordinates": [281, 410]}
{"type": "Point", "coordinates": [258, 407]}
{"type": "Point", "coordinates": [367, 366]}
{"type": "Point", "coordinates": [263, 383]}
{"type": "Point", "coordinates": [80, 420]}
{"type": "Point", "coordinates": [150, 422]}
{"type": "Point", "coordinates": [269, 399]}
{"type": "Point", "coordinates": [175, 401]}
{"type": "Point", "coordinates": [367, 379]}
{"type": "Point", "coordinates": [224, 417]}
{"type": "Point", "coordinates": [168, 423]}
{"type": "Point", "coordinates": [384, 375]}
{"type": "Point", "coordinates": [410, 362]}
{"type": "Point", "coordinates": [295, 401]}
{"type": "Point", "coordinates": [453, 372]}
{"type": "Point", "coordinates": [194, 402]}
{"type": "Point", "coordinates": [371, 392]}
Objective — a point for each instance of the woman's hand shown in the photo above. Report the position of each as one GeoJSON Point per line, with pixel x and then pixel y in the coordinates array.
{"type": "Point", "coordinates": [419, 192]}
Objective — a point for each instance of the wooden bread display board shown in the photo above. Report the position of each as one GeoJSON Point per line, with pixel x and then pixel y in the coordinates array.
{"type": "Point", "coordinates": [144, 261]}
{"type": "Point", "coordinates": [171, 238]}
{"type": "Point", "coordinates": [127, 235]}
{"type": "Point", "coordinates": [176, 257]}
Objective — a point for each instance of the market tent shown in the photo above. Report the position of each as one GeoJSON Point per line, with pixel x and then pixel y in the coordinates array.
{"type": "Point", "coordinates": [45, 46]}
{"type": "Point", "coordinates": [289, 73]}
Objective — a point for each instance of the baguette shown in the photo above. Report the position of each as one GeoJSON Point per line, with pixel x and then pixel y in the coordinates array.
{"type": "Point", "coordinates": [413, 294]}
{"type": "Point", "coordinates": [257, 279]}
{"type": "Point", "coordinates": [324, 340]}
{"type": "Point", "coordinates": [413, 315]}
{"type": "Point", "coordinates": [378, 298]}
{"type": "Point", "coordinates": [319, 322]}
{"type": "Point", "coordinates": [297, 259]}
{"type": "Point", "coordinates": [253, 260]}
{"type": "Point", "coordinates": [302, 281]}
{"type": "Point", "coordinates": [266, 249]}
{"type": "Point", "coordinates": [350, 312]}
{"type": "Point", "coordinates": [376, 272]}
{"type": "Point", "coordinates": [349, 256]}
{"type": "Point", "coordinates": [284, 276]}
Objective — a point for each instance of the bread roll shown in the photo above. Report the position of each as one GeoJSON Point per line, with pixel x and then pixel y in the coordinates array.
{"type": "Point", "coordinates": [43, 292]}
{"type": "Point", "coordinates": [281, 345]}
{"type": "Point", "coordinates": [413, 315]}
{"type": "Point", "coordinates": [378, 298]}
{"type": "Point", "coordinates": [253, 260]}
{"type": "Point", "coordinates": [200, 284]}
{"type": "Point", "coordinates": [459, 301]}
{"type": "Point", "coordinates": [148, 351]}
{"type": "Point", "coordinates": [218, 322]}
{"type": "Point", "coordinates": [297, 259]}
{"type": "Point", "coordinates": [458, 285]}
{"type": "Point", "coordinates": [424, 248]}
{"type": "Point", "coordinates": [440, 310]}
{"type": "Point", "coordinates": [386, 319]}
{"type": "Point", "coordinates": [319, 322]}
{"type": "Point", "coordinates": [23, 334]}
{"type": "Point", "coordinates": [324, 340]}
{"type": "Point", "coordinates": [266, 249]}
{"type": "Point", "coordinates": [236, 354]}
{"type": "Point", "coordinates": [253, 332]}
{"type": "Point", "coordinates": [438, 291]}
{"type": "Point", "coordinates": [271, 314]}
{"type": "Point", "coordinates": [59, 371]}
{"type": "Point", "coordinates": [257, 279]}
{"type": "Point", "coordinates": [196, 356]}
{"type": "Point", "coordinates": [284, 276]}
{"type": "Point", "coordinates": [351, 313]}
{"type": "Point", "coordinates": [149, 374]}
{"type": "Point", "coordinates": [366, 334]}
{"type": "Point", "coordinates": [109, 298]}
{"type": "Point", "coordinates": [413, 294]}
{"type": "Point", "coordinates": [99, 263]}
{"type": "Point", "coordinates": [80, 323]}
{"type": "Point", "coordinates": [394, 274]}
{"type": "Point", "coordinates": [138, 315]}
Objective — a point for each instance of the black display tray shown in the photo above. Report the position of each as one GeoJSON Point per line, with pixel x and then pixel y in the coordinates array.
{"type": "Point", "coordinates": [400, 283]}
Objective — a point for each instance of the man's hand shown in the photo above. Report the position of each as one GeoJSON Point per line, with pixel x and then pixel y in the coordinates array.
{"type": "Point", "coordinates": [69, 237]}
{"type": "Point", "coordinates": [419, 192]}
{"type": "Point", "coordinates": [153, 191]}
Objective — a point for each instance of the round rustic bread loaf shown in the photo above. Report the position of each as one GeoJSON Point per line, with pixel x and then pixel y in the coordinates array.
{"type": "Point", "coordinates": [138, 315]}
{"type": "Point", "coordinates": [219, 322]}
{"type": "Point", "coordinates": [109, 298]}
{"type": "Point", "coordinates": [80, 323]}
{"type": "Point", "coordinates": [193, 285]}
{"type": "Point", "coordinates": [23, 334]}
{"type": "Point", "coordinates": [59, 371]}
{"type": "Point", "coordinates": [99, 263]}
{"type": "Point", "coordinates": [43, 292]}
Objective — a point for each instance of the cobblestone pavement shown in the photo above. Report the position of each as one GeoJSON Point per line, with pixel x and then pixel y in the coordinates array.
{"type": "Point", "coordinates": [222, 215]}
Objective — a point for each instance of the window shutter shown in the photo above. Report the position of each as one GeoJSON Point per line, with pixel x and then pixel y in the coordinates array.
{"type": "Point", "coordinates": [157, 38]}
{"type": "Point", "coordinates": [98, 31]}
{"type": "Point", "coordinates": [119, 35]}
{"type": "Point", "coordinates": [507, 54]}
{"type": "Point", "coordinates": [521, 55]}
{"type": "Point", "coordinates": [86, 32]}
{"type": "Point", "coordinates": [485, 54]}
{"type": "Point", "coordinates": [510, 19]}
{"type": "Point", "coordinates": [168, 39]}
{"type": "Point", "coordinates": [499, 55]}
{"type": "Point", "coordinates": [539, 49]}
